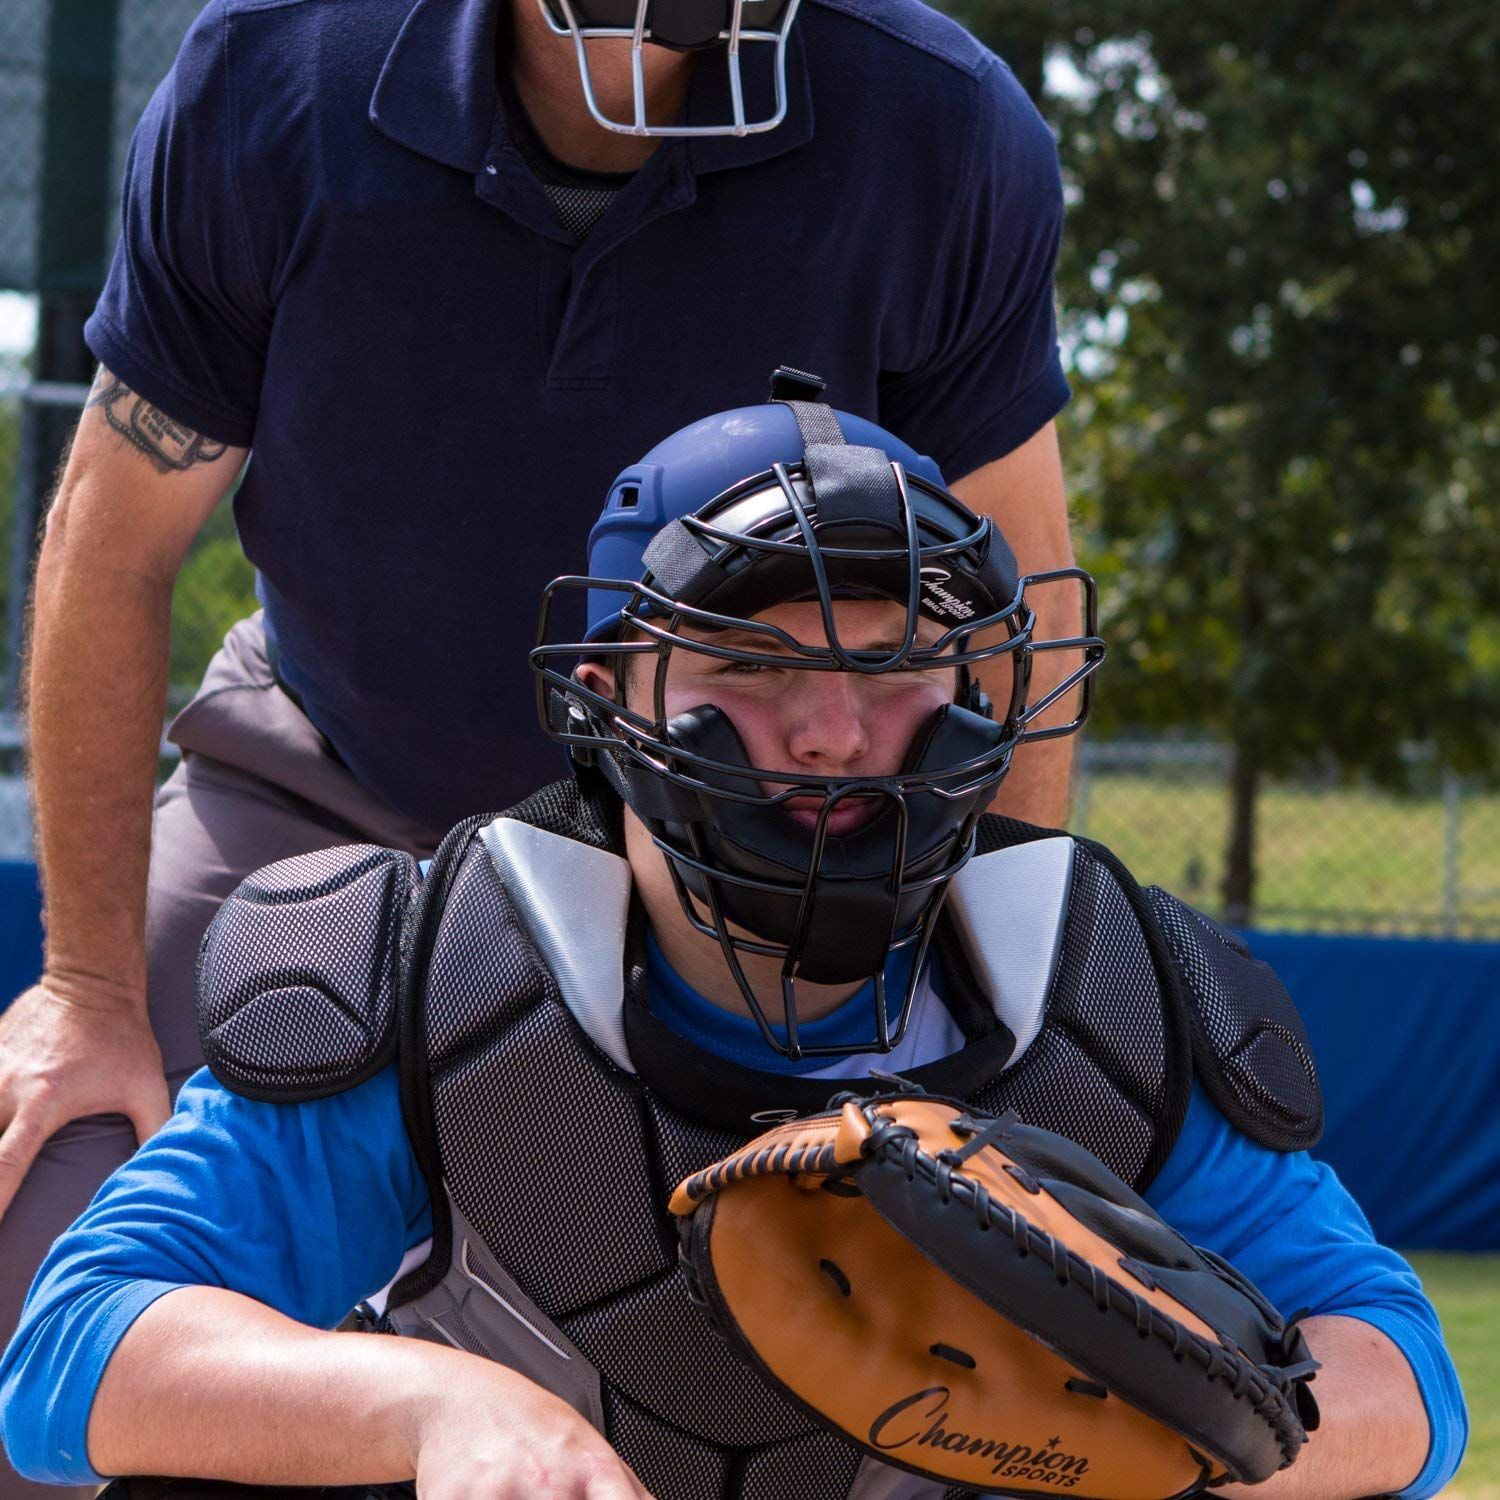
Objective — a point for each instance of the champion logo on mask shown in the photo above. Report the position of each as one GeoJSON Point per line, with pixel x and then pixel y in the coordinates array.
{"type": "Point", "coordinates": [941, 600]}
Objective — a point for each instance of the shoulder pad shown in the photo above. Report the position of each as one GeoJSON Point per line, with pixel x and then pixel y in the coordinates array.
{"type": "Point", "coordinates": [297, 973]}
{"type": "Point", "coordinates": [1250, 1048]}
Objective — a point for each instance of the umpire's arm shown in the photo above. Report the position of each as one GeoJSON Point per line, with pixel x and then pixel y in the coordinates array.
{"type": "Point", "coordinates": [1023, 493]}
{"type": "Point", "coordinates": [136, 490]}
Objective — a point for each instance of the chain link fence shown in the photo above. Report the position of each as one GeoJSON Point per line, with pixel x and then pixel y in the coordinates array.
{"type": "Point", "coordinates": [150, 32]}
{"type": "Point", "coordinates": [74, 78]}
{"type": "Point", "coordinates": [22, 50]}
{"type": "Point", "coordinates": [1329, 856]}
{"type": "Point", "coordinates": [50, 130]}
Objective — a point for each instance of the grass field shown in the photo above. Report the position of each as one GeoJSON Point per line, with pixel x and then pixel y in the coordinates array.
{"type": "Point", "coordinates": [1331, 858]}
{"type": "Point", "coordinates": [1466, 1291]}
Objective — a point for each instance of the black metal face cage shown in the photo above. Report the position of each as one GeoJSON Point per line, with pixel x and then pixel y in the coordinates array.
{"type": "Point", "coordinates": [592, 725]}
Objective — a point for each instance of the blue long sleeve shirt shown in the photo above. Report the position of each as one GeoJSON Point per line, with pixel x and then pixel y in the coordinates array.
{"type": "Point", "coordinates": [310, 1207]}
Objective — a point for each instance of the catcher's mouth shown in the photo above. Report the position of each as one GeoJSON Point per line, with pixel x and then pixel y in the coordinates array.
{"type": "Point", "coordinates": [846, 815]}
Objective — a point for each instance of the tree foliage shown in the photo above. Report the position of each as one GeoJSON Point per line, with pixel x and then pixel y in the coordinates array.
{"type": "Point", "coordinates": [1279, 295]}
{"type": "Point", "coordinates": [215, 588]}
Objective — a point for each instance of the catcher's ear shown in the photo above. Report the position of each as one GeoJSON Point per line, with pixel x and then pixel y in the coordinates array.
{"type": "Point", "coordinates": [596, 677]}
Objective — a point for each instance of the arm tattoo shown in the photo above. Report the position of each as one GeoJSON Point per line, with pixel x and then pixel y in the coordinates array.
{"type": "Point", "coordinates": [169, 445]}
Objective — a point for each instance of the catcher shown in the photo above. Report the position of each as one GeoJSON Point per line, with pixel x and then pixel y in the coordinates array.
{"type": "Point", "coordinates": [478, 1086]}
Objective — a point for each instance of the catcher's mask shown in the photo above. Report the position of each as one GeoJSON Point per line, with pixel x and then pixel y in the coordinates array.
{"type": "Point", "coordinates": [682, 26]}
{"type": "Point", "coordinates": [810, 515]}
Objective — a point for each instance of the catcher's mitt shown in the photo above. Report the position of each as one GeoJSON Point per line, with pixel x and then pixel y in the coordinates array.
{"type": "Point", "coordinates": [989, 1305]}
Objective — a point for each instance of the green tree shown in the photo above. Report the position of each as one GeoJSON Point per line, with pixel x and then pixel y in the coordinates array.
{"type": "Point", "coordinates": [215, 588]}
{"type": "Point", "coordinates": [1279, 294]}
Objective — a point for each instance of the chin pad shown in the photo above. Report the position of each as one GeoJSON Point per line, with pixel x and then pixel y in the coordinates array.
{"type": "Point", "coordinates": [855, 914]}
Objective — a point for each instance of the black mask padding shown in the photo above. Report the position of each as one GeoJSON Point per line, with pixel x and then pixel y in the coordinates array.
{"type": "Point", "coordinates": [785, 577]}
{"type": "Point", "coordinates": [855, 912]}
{"type": "Point", "coordinates": [849, 482]}
{"type": "Point", "coordinates": [688, 25]}
{"type": "Point", "coordinates": [743, 583]}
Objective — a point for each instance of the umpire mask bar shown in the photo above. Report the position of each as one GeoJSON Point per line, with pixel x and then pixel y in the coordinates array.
{"type": "Point", "coordinates": [682, 26]}
{"type": "Point", "coordinates": [845, 522]}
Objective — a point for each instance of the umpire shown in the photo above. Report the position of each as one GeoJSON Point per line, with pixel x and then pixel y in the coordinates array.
{"type": "Point", "coordinates": [439, 262]}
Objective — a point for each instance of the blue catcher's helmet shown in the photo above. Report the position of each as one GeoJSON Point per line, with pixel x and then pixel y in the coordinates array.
{"type": "Point", "coordinates": [734, 514]}
{"type": "Point", "coordinates": [695, 465]}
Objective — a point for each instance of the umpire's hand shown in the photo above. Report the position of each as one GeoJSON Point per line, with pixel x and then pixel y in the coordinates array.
{"type": "Point", "coordinates": [66, 1052]}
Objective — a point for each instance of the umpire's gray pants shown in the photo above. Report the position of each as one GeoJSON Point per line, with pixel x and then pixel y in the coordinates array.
{"type": "Point", "coordinates": [257, 783]}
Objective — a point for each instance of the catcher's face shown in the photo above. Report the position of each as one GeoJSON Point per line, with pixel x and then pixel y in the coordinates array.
{"type": "Point", "coordinates": [834, 724]}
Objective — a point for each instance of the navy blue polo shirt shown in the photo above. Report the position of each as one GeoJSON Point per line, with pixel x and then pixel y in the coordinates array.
{"type": "Point", "coordinates": [332, 251]}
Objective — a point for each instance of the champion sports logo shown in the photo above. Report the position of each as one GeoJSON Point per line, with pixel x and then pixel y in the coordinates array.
{"type": "Point", "coordinates": [900, 1426]}
{"type": "Point", "coordinates": [939, 599]}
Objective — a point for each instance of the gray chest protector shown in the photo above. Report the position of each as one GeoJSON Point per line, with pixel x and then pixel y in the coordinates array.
{"type": "Point", "coordinates": [552, 1113]}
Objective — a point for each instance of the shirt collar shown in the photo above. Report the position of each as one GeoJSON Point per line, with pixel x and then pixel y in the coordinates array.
{"type": "Point", "coordinates": [714, 1029]}
{"type": "Point", "coordinates": [436, 91]}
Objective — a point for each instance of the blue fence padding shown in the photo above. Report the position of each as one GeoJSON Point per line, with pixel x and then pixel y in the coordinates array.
{"type": "Point", "coordinates": [1406, 1033]}
{"type": "Point", "coordinates": [20, 928]}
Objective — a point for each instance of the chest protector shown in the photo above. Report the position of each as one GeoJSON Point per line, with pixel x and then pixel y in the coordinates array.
{"type": "Point", "coordinates": [552, 1114]}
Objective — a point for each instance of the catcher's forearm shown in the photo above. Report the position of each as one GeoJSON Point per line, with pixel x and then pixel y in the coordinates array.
{"type": "Point", "coordinates": [215, 1385]}
{"type": "Point", "coordinates": [1373, 1436]}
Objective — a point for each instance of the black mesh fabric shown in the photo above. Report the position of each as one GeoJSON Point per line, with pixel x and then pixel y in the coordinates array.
{"type": "Point", "coordinates": [1059, 1087]}
{"type": "Point", "coordinates": [1097, 1073]}
{"type": "Point", "coordinates": [583, 809]}
{"type": "Point", "coordinates": [700, 1383]}
{"type": "Point", "coordinates": [1249, 1045]}
{"type": "Point", "coordinates": [483, 970]}
{"type": "Point", "coordinates": [996, 832]}
{"type": "Point", "coordinates": [670, 1464]}
{"type": "Point", "coordinates": [556, 1179]}
{"type": "Point", "coordinates": [578, 209]}
{"type": "Point", "coordinates": [221, 1489]}
{"type": "Point", "coordinates": [513, 1079]}
{"type": "Point", "coordinates": [456, 1327]}
{"type": "Point", "coordinates": [819, 1466]}
{"type": "Point", "coordinates": [685, 1146]}
{"type": "Point", "coordinates": [296, 973]}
